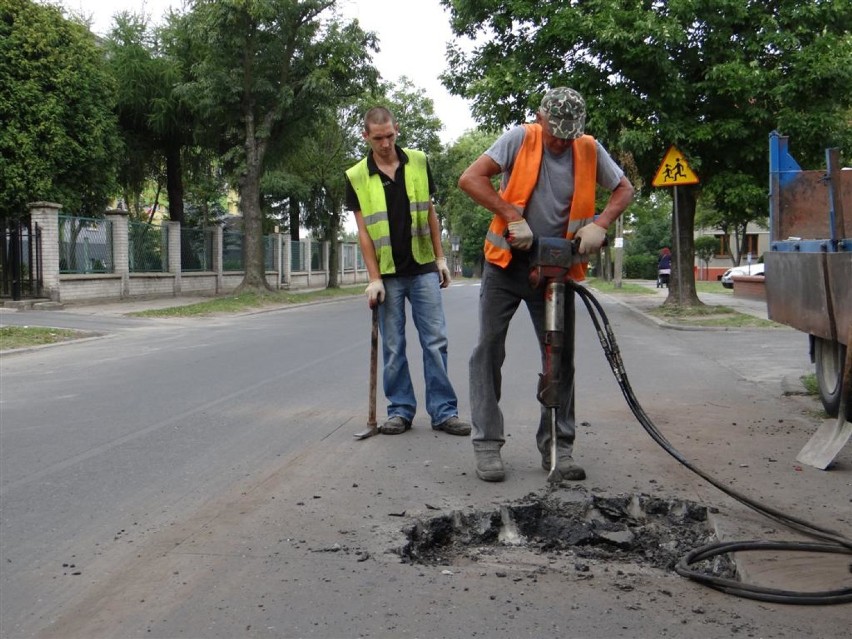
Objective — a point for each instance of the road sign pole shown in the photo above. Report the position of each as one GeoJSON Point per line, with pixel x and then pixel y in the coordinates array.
{"type": "Point", "coordinates": [674, 171]}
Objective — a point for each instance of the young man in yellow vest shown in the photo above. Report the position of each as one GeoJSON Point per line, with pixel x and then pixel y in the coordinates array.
{"type": "Point", "coordinates": [549, 171]}
{"type": "Point", "coordinates": [390, 192]}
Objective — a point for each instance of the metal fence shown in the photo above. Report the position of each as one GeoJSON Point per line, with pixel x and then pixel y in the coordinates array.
{"type": "Point", "coordinates": [269, 252]}
{"type": "Point", "coordinates": [232, 251]}
{"type": "Point", "coordinates": [85, 245]}
{"type": "Point", "coordinates": [317, 254]}
{"type": "Point", "coordinates": [148, 248]}
{"type": "Point", "coordinates": [297, 256]}
{"type": "Point", "coordinates": [196, 250]}
{"type": "Point", "coordinates": [20, 259]}
{"type": "Point", "coordinates": [351, 258]}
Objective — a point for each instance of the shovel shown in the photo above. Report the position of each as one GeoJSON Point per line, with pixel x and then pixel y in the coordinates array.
{"type": "Point", "coordinates": [372, 428]}
{"type": "Point", "coordinates": [830, 438]}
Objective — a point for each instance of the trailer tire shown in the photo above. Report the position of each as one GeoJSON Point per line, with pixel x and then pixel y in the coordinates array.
{"type": "Point", "coordinates": [829, 357]}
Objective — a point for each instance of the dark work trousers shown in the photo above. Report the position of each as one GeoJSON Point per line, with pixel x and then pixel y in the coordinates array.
{"type": "Point", "coordinates": [500, 294]}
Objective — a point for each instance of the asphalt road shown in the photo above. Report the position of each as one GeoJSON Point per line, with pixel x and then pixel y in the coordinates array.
{"type": "Point", "coordinates": [198, 478]}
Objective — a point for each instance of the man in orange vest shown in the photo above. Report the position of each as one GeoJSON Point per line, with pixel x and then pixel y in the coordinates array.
{"type": "Point", "coordinates": [548, 175]}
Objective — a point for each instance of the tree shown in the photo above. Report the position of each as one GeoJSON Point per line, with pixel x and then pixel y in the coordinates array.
{"type": "Point", "coordinates": [323, 157]}
{"type": "Point", "coordinates": [157, 124]}
{"type": "Point", "coordinates": [705, 248]}
{"type": "Point", "coordinates": [263, 68]}
{"type": "Point", "coordinates": [713, 78]}
{"type": "Point", "coordinates": [466, 220]}
{"type": "Point", "coordinates": [59, 140]}
{"type": "Point", "coordinates": [415, 113]}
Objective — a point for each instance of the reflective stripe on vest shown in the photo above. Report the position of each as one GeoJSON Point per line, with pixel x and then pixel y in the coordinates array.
{"type": "Point", "coordinates": [371, 198]}
{"type": "Point", "coordinates": [522, 182]}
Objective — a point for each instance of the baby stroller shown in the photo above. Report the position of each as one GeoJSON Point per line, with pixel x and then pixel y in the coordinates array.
{"type": "Point", "coordinates": [664, 268]}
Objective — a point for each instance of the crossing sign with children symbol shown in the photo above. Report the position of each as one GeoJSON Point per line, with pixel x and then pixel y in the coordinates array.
{"type": "Point", "coordinates": [674, 170]}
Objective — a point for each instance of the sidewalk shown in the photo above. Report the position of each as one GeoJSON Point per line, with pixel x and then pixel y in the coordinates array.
{"type": "Point", "coordinates": [642, 302]}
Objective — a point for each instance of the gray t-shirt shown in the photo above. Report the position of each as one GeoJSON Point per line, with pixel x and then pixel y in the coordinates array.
{"type": "Point", "coordinates": [550, 203]}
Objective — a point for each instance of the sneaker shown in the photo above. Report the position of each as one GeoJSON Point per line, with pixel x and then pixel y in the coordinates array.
{"type": "Point", "coordinates": [454, 426]}
{"type": "Point", "coordinates": [566, 467]}
{"type": "Point", "coordinates": [489, 465]}
{"type": "Point", "coordinates": [395, 425]}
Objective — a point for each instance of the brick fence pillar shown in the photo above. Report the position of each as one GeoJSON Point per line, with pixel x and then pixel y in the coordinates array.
{"type": "Point", "coordinates": [46, 215]}
{"type": "Point", "coordinates": [120, 247]}
{"type": "Point", "coordinates": [175, 254]}
{"type": "Point", "coordinates": [217, 257]}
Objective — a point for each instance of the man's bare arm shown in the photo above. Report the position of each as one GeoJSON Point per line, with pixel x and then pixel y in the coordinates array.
{"type": "Point", "coordinates": [476, 182]}
{"type": "Point", "coordinates": [619, 200]}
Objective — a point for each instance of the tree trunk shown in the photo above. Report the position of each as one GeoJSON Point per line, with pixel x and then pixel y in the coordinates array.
{"type": "Point", "coordinates": [334, 255]}
{"type": "Point", "coordinates": [254, 277]}
{"type": "Point", "coordinates": [295, 222]}
{"type": "Point", "coordinates": [174, 183]}
{"type": "Point", "coordinates": [682, 282]}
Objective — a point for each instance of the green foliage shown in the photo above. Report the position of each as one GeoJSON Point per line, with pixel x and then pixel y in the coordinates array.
{"type": "Point", "coordinates": [158, 126]}
{"type": "Point", "coordinates": [706, 247]}
{"type": "Point", "coordinates": [415, 113]}
{"type": "Point", "coordinates": [712, 78]}
{"type": "Point", "coordinates": [58, 141]}
{"type": "Point", "coordinates": [648, 224]}
{"type": "Point", "coordinates": [260, 73]}
{"type": "Point", "coordinates": [643, 267]}
{"type": "Point", "coordinates": [462, 217]}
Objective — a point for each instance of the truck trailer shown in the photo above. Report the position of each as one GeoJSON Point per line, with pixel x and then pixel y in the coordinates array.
{"type": "Point", "coordinates": [809, 263]}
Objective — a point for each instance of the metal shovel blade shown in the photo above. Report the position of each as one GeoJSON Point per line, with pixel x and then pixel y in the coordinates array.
{"type": "Point", "coordinates": [831, 437]}
{"type": "Point", "coordinates": [368, 432]}
{"type": "Point", "coordinates": [826, 443]}
{"type": "Point", "coordinates": [372, 428]}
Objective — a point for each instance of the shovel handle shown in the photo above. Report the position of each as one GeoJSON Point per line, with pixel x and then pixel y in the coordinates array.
{"type": "Point", "coordinates": [374, 358]}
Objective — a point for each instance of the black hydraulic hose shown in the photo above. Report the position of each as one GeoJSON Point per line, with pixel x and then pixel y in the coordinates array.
{"type": "Point", "coordinates": [832, 542]}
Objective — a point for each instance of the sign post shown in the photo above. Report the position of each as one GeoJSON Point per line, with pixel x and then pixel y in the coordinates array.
{"type": "Point", "coordinates": [674, 171]}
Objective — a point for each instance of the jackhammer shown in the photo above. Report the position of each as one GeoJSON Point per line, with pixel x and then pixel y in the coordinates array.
{"type": "Point", "coordinates": [550, 262]}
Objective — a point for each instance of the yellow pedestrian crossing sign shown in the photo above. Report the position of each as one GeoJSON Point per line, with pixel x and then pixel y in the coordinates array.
{"type": "Point", "coordinates": [674, 171]}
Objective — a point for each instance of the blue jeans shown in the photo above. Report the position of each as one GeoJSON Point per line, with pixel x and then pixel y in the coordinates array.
{"type": "Point", "coordinates": [424, 294]}
{"type": "Point", "coordinates": [500, 294]}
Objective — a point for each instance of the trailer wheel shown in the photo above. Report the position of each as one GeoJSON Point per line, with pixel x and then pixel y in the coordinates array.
{"type": "Point", "coordinates": [829, 357]}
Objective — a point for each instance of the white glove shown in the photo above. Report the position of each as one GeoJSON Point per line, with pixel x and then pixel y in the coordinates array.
{"type": "Point", "coordinates": [443, 272]}
{"type": "Point", "coordinates": [591, 238]}
{"type": "Point", "coordinates": [520, 235]}
{"type": "Point", "coordinates": [375, 293]}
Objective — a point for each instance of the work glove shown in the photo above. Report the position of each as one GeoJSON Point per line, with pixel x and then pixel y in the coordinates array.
{"type": "Point", "coordinates": [443, 272]}
{"type": "Point", "coordinates": [375, 293]}
{"type": "Point", "coordinates": [591, 238]}
{"type": "Point", "coordinates": [520, 235]}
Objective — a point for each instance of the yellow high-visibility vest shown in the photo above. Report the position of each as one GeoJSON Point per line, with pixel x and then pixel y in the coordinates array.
{"type": "Point", "coordinates": [374, 209]}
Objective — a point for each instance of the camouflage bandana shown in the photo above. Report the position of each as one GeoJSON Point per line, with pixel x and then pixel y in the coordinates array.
{"type": "Point", "coordinates": [565, 112]}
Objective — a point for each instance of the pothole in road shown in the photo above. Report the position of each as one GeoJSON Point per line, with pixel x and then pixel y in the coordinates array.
{"type": "Point", "coordinates": [630, 528]}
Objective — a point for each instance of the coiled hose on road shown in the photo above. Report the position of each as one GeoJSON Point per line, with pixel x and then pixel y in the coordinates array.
{"type": "Point", "coordinates": [831, 541]}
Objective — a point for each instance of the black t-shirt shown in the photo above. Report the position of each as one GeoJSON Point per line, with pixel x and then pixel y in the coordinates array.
{"type": "Point", "coordinates": [399, 214]}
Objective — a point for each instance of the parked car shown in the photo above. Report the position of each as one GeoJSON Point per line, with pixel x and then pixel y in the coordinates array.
{"type": "Point", "coordinates": [749, 269]}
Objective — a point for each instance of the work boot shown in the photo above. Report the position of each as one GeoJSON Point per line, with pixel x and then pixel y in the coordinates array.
{"type": "Point", "coordinates": [395, 425]}
{"type": "Point", "coordinates": [489, 465]}
{"type": "Point", "coordinates": [454, 426]}
{"type": "Point", "coordinates": [566, 467]}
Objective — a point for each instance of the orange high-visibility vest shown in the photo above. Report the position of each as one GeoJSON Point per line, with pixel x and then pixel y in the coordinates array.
{"type": "Point", "coordinates": [522, 182]}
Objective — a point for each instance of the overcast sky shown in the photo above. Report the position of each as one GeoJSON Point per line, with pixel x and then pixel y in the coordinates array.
{"type": "Point", "coordinates": [398, 23]}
